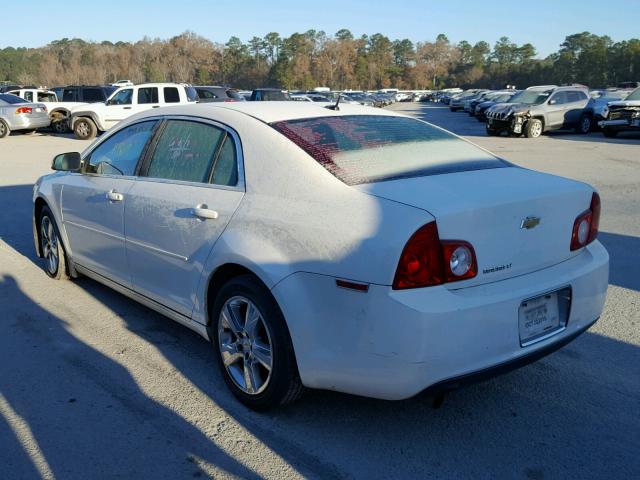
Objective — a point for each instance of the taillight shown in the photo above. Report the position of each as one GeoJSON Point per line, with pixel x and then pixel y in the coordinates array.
{"type": "Point", "coordinates": [426, 261]}
{"type": "Point", "coordinates": [585, 228]}
{"type": "Point", "coordinates": [24, 110]}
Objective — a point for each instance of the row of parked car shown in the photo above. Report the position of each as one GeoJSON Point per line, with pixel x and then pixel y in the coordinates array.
{"type": "Point", "coordinates": [90, 110]}
{"type": "Point", "coordinates": [539, 109]}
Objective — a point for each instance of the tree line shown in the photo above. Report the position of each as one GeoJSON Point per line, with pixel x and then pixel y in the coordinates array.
{"type": "Point", "coordinates": [313, 58]}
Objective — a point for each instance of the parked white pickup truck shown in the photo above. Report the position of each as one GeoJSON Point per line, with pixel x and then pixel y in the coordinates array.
{"type": "Point", "coordinates": [88, 120]}
{"type": "Point", "coordinates": [58, 111]}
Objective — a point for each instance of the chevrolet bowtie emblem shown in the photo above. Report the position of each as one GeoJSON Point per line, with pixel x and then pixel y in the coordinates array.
{"type": "Point", "coordinates": [530, 222]}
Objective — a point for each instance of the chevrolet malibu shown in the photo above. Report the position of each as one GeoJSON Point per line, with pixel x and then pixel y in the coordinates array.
{"type": "Point", "coordinates": [341, 248]}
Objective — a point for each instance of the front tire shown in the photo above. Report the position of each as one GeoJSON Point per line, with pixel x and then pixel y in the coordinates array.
{"type": "Point", "coordinates": [85, 129]}
{"type": "Point", "coordinates": [253, 346]}
{"type": "Point", "coordinates": [491, 132]}
{"type": "Point", "coordinates": [533, 128]}
{"type": "Point", "coordinates": [4, 129]}
{"type": "Point", "coordinates": [55, 260]}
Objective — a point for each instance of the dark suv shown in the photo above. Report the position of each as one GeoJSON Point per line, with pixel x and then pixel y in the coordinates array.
{"type": "Point", "coordinates": [84, 93]}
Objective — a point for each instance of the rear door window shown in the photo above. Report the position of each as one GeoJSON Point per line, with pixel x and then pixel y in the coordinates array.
{"type": "Point", "coordinates": [148, 95]}
{"type": "Point", "coordinates": [171, 95]}
{"type": "Point", "coordinates": [371, 148]}
{"type": "Point", "coordinates": [68, 95]}
{"type": "Point", "coordinates": [185, 151]}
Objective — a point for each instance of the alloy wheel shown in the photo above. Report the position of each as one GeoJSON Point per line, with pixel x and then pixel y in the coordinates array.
{"type": "Point", "coordinates": [82, 129]}
{"type": "Point", "coordinates": [245, 345]}
{"type": "Point", "coordinates": [49, 241]}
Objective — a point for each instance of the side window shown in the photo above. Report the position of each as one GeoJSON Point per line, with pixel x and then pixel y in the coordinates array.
{"type": "Point", "coordinates": [576, 96]}
{"type": "Point", "coordinates": [225, 169]}
{"type": "Point", "coordinates": [148, 95]}
{"type": "Point", "coordinates": [28, 96]}
{"type": "Point", "coordinates": [67, 95]}
{"type": "Point", "coordinates": [171, 95]}
{"type": "Point", "coordinates": [119, 154]}
{"type": "Point", "coordinates": [185, 151]}
{"type": "Point", "coordinates": [206, 94]}
{"type": "Point", "coordinates": [123, 97]}
{"type": "Point", "coordinates": [560, 98]}
{"type": "Point", "coordinates": [92, 95]}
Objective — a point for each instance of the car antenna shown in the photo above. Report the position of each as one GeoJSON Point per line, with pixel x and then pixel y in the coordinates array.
{"type": "Point", "coordinates": [336, 106]}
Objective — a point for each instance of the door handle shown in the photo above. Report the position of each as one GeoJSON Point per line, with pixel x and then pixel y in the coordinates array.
{"type": "Point", "coordinates": [202, 211]}
{"type": "Point", "coordinates": [156, 106]}
{"type": "Point", "coordinates": [127, 108]}
{"type": "Point", "coordinates": [114, 196]}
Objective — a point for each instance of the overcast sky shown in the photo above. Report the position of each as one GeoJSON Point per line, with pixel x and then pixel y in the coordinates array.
{"type": "Point", "coordinates": [544, 23]}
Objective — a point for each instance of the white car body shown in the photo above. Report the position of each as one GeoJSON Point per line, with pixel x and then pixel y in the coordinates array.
{"type": "Point", "coordinates": [302, 231]}
{"type": "Point", "coordinates": [122, 83]}
{"type": "Point", "coordinates": [106, 115]}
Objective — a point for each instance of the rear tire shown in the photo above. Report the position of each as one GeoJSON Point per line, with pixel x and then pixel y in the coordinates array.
{"type": "Point", "coordinates": [235, 341]}
{"type": "Point", "coordinates": [55, 257]}
{"type": "Point", "coordinates": [609, 132]}
{"type": "Point", "coordinates": [584, 125]}
{"type": "Point", "coordinates": [85, 129]}
{"type": "Point", "coordinates": [533, 128]}
{"type": "Point", "coordinates": [4, 129]}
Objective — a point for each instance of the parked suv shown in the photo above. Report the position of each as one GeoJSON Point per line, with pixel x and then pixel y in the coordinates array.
{"type": "Point", "coordinates": [623, 115]}
{"type": "Point", "coordinates": [541, 109]}
{"type": "Point", "coordinates": [84, 93]}
{"type": "Point", "coordinates": [87, 120]}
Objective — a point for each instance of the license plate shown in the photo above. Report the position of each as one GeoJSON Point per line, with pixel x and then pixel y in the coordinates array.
{"type": "Point", "coordinates": [540, 317]}
{"type": "Point", "coordinates": [38, 110]}
{"type": "Point", "coordinates": [490, 121]}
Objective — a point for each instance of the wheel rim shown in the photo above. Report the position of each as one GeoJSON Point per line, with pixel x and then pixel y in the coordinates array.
{"type": "Point", "coordinates": [59, 126]}
{"type": "Point", "coordinates": [586, 124]}
{"type": "Point", "coordinates": [245, 345]}
{"type": "Point", "coordinates": [49, 241]}
{"type": "Point", "coordinates": [82, 129]}
{"type": "Point", "coordinates": [536, 129]}
{"type": "Point", "coordinates": [3, 129]}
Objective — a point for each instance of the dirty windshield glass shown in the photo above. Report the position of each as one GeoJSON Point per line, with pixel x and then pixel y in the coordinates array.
{"type": "Point", "coordinates": [530, 97]}
{"type": "Point", "coordinates": [372, 148]}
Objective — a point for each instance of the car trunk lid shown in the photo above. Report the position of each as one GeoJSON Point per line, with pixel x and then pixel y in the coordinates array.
{"type": "Point", "coordinates": [517, 220]}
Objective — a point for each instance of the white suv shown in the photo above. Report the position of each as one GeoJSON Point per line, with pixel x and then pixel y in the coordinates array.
{"type": "Point", "coordinates": [87, 120]}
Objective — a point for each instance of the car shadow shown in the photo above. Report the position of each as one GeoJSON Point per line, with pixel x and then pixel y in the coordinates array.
{"type": "Point", "coordinates": [533, 423]}
{"type": "Point", "coordinates": [624, 259]}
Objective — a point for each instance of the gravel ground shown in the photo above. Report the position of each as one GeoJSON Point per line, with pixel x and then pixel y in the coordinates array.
{"type": "Point", "coordinates": [93, 385]}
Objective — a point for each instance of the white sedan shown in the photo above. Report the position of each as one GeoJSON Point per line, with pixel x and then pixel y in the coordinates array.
{"type": "Point", "coordinates": [347, 249]}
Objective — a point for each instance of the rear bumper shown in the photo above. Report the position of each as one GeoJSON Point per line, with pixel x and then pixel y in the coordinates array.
{"type": "Point", "coordinates": [27, 122]}
{"type": "Point", "coordinates": [394, 344]}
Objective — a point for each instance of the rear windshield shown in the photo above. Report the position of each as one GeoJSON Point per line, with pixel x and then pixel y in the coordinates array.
{"type": "Point", "coordinates": [11, 99]}
{"type": "Point", "coordinates": [373, 148]}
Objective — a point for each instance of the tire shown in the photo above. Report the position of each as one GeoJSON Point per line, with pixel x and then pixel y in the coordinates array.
{"type": "Point", "coordinates": [60, 125]}
{"type": "Point", "coordinates": [85, 129]}
{"type": "Point", "coordinates": [491, 132]}
{"type": "Point", "coordinates": [236, 345]}
{"type": "Point", "coordinates": [4, 129]}
{"type": "Point", "coordinates": [533, 128]}
{"type": "Point", "coordinates": [585, 124]}
{"type": "Point", "coordinates": [609, 132]}
{"type": "Point", "coordinates": [55, 257]}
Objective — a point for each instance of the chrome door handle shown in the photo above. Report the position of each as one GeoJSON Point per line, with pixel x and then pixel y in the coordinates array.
{"type": "Point", "coordinates": [202, 211]}
{"type": "Point", "coordinates": [114, 196]}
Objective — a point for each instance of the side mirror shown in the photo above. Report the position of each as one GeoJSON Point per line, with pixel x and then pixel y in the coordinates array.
{"type": "Point", "coordinates": [66, 162]}
{"type": "Point", "coordinates": [553, 101]}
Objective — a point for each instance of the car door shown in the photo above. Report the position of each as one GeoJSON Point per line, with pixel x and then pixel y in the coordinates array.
{"type": "Point", "coordinates": [576, 103]}
{"type": "Point", "coordinates": [556, 106]}
{"type": "Point", "coordinates": [118, 107]}
{"type": "Point", "coordinates": [190, 186]}
{"type": "Point", "coordinates": [93, 202]}
{"type": "Point", "coordinates": [147, 98]}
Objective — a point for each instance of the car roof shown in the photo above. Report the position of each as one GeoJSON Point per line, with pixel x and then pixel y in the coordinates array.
{"type": "Point", "coordinates": [269, 112]}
